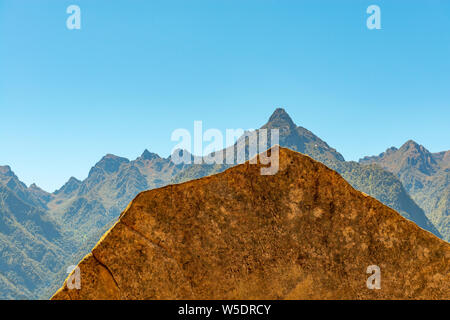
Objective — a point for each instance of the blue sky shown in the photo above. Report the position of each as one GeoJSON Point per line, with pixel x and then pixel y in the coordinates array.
{"type": "Point", "coordinates": [137, 70]}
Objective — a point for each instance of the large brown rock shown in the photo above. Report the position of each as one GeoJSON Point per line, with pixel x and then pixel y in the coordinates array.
{"type": "Point", "coordinates": [303, 233]}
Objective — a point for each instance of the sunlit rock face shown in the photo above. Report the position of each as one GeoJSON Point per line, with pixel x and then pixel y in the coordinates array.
{"type": "Point", "coordinates": [303, 233]}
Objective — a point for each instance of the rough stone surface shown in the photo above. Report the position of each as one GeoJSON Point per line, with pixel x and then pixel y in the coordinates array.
{"type": "Point", "coordinates": [303, 233]}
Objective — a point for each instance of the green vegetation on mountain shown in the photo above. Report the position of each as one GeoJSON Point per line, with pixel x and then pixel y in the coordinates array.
{"type": "Point", "coordinates": [426, 177]}
{"type": "Point", "coordinates": [372, 180]}
{"type": "Point", "coordinates": [41, 234]}
{"type": "Point", "coordinates": [32, 245]}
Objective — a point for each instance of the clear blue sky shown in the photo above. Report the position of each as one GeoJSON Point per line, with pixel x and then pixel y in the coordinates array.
{"type": "Point", "coordinates": [137, 70]}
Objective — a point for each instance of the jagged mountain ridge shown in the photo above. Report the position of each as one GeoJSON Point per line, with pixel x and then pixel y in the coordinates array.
{"type": "Point", "coordinates": [85, 209]}
{"type": "Point", "coordinates": [80, 211]}
{"type": "Point", "coordinates": [425, 175]}
{"type": "Point", "coordinates": [41, 234]}
{"type": "Point", "coordinates": [370, 179]}
{"type": "Point", "coordinates": [32, 245]}
{"type": "Point", "coordinates": [300, 139]}
{"type": "Point", "coordinates": [303, 233]}
{"type": "Point", "coordinates": [32, 195]}
{"type": "Point", "coordinates": [109, 187]}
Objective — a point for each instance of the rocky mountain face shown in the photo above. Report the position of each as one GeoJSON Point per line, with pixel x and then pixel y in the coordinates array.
{"type": "Point", "coordinates": [300, 139]}
{"type": "Point", "coordinates": [425, 175]}
{"type": "Point", "coordinates": [369, 179]}
{"type": "Point", "coordinates": [33, 195]}
{"type": "Point", "coordinates": [303, 233]}
{"type": "Point", "coordinates": [81, 211]}
{"type": "Point", "coordinates": [32, 245]}
{"type": "Point", "coordinates": [87, 206]}
{"type": "Point", "coordinates": [86, 209]}
{"type": "Point", "coordinates": [41, 234]}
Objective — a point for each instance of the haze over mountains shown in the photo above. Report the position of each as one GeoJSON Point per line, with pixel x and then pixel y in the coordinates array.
{"type": "Point", "coordinates": [303, 233]}
{"type": "Point", "coordinates": [44, 233]}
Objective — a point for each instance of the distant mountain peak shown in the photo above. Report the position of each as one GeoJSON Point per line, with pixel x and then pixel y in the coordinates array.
{"type": "Point", "coordinates": [391, 149]}
{"type": "Point", "coordinates": [410, 156]}
{"type": "Point", "coordinates": [147, 155]}
{"type": "Point", "coordinates": [112, 156]}
{"type": "Point", "coordinates": [109, 163]}
{"type": "Point", "coordinates": [73, 179]}
{"type": "Point", "coordinates": [415, 150]}
{"type": "Point", "coordinates": [279, 112]}
{"type": "Point", "coordinates": [281, 118]}
{"type": "Point", "coordinates": [223, 209]}
{"type": "Point", "coordinates": [300, 139]}
{"type": "Point", "coordinates": [5, 170]}
{"type": "Point", "coordinates": [8, 176]}
{"type": "Point", "coordinates": [71, 185]}
{"type": "Point", "coordinates": [34, 186]}
{"type": "Point", "coordinates": [39, 192]}
{"type": "Point", "coordinates": [410, 144]}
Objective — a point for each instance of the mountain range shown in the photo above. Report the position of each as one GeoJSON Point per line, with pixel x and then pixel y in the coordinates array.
{"type": "Point", "coordinates": [426, 177]}
{"type": "Point", "coordinates": [303, 233]}
{"type": "Point", "coordinates": [370, 179]}
{"type": "Point", "coordinates": [66, 224]}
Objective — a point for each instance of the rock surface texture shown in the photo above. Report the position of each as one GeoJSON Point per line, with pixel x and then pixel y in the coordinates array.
{"type": "Point", "coordinates": [303, 233]}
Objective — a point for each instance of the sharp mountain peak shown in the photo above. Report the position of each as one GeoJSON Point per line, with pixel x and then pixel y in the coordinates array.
{"type": "Point", "coordinates": [34, 186]}
{"type": "Point", "coordinates": [411, 144]}
{"type": "Point", "coordinates": [147, 155]}
{"type": "Point", "coordinates": [5, 170]}
{"type": "Point", "coordinates": [73, 179]}
{"type": "Point", "coordinates": [286, 223]}
{"type": "Point", "coordinates": [280, 118]}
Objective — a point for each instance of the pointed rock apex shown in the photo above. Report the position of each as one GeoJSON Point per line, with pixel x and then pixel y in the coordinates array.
{"type": "Point", "coordinates": [114, 157]}
{"type": "Point", "coordinates": [288, 222]}
{"type": "Point", "coordinates": [412, 146]}
{"type": "Point", "coordinates": [38, 190]}
{"type": "Point", "coordinates": [109, 163]}
{"type": "Point", "coordinates": [391, 149]}
{"type": "Point", "coordinates": [71, 185]}
{"type": "Point", "coordinates": [74, 180]}
{"type": "Point", "coordinates": [281, 118]}
{"type": "Point", "coordinates": [147, 155]}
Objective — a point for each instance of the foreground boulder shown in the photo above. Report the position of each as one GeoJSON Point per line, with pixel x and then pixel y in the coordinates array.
{"type": "Point", "coordinates": [303, 233]}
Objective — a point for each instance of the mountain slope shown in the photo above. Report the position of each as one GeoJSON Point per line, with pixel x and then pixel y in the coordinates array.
{"type": "Point", "coordinates": [33, 195]}
{"type": "Point", "coordinates": [41, 234]}
{"type": "Point", "coordinates": [85, 207]}
{"type": "Point", "coordinates": [369, 179]}
{"type": "Point", "coordinates": [300, 139]}
{"type": "Point", "coordinates": [32, 245]}
{"type": "Point", "coordinates": [83, 210]}
{"type": "Point", "coordinates": [425, 175]}
{"type": "Point", "coordinates": [303, 233]}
